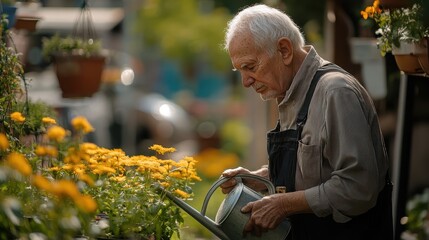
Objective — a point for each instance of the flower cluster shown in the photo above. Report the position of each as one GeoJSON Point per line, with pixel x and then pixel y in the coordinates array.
{"type": "Point", "coordinates": [32, 201]}
{"type": "Point", "coordinates": [126, 188]}
{"type": "Point", "coordinates": [89, 190]}
{"type": "Point", "coordinates": [396, 25]}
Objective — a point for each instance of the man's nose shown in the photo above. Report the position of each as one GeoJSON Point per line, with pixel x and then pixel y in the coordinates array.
{"type": "Point", "coordinates": [247, 81]}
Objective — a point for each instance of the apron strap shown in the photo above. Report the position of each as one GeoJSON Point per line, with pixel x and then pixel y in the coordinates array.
{"type": "Point", "coordinates": [302, 114]}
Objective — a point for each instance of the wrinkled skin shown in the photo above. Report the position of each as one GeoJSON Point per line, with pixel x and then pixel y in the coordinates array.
{"type": "Point", "coordinates": [268, 212]}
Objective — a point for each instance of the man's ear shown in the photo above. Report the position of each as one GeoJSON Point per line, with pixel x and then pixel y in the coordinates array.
{"type": "Point", "coordinates": [285, 47]}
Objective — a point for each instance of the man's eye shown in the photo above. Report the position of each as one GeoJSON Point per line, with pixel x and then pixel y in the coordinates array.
{"type": "Point", "coordinates": [251, 68]}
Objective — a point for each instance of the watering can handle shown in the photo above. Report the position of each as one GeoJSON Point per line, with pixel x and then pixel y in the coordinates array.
{"type": "Point", "coordinates": [220, 181]}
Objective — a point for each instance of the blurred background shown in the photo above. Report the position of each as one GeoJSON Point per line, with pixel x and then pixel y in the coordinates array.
{"type": "Point", "coordinates": [168, 81]}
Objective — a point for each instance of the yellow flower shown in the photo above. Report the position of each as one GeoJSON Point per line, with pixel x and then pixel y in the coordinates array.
{"type": "Point", "coordinates": [181, 193]}
{"type": "Point", "coordinates": [162, 150]}
{"type": "Point", "coordinates": [86, 178]}
{"type": "Point", "coordinates": [88, 146]}
{"type": "Point", "coordinates": [4, 143]}
{"type": "Point", "coordinates": [17, 117]}
{"type": "Point", "coordinates": [40, 151]}
{"type": "Point", "coordinates": [85, 203]}
{"type": "Point", "coordinates": [48, 120]}
{"type": "Point", "coordinates": [157, 176]}
{"type": "Point", "coordinates": [56, 133]}
{"type": "Point", "coordinates": [51, 151]}
{"type": "Point", "coordinates": [72, 158]}
{"type": "Point", "coordinates": [42, 183]}
{"type": "Point", "coordinates": [46, 151]}
{"type": "Point", "coordinates": [66, 188]}
{"type": "Point", "coordinates": [100, 169]}
{"type": "Point", "coordinates": [54, 169]}
{"type": "Point", "coordinates": [18, 162]}
{"type": "Point", "coordinates": [80, 123]}
{"type": "Point", "coordinates": [119, 178]}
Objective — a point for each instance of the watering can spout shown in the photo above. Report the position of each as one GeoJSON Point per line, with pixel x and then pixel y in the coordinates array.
{"type": "Point", "coordinates": [205, 221]}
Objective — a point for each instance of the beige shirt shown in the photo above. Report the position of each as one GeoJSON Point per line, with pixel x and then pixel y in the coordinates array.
{"type": "Point", "coordinates": [342, 161]}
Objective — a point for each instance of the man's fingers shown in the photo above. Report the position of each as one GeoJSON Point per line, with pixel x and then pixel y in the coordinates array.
{"type": "Point", "coordinates": [228, 185]}
{"type": "Point", "coordinates": [247, 208]}
{"type": "Point", "coordinates": [248, 227]}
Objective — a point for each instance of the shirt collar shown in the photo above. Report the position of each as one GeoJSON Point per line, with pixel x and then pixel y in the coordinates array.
{"type": "Point", "coordinates": [302, 79]}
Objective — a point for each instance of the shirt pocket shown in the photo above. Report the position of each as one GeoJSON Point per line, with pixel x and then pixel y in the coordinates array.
{"type": "Point", "coordinates": [308, 166]}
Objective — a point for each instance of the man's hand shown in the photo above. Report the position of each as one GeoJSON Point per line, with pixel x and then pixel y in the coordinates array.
{"type": "Point", "coordinates": [254, 184]}
{"type": "Point", "coordinates": [269, 211]}
{"type": "Point", "coordinates": [265, 214]}
{"type": "Point", "coordinates": [229, 173]}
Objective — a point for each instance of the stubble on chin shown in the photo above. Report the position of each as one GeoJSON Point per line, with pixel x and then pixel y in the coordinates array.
{"type": "Point", "coordinates": [271, 96]}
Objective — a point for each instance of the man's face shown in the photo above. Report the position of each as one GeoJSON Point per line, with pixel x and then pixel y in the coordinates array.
{"type": "Point", "coordinates": [266, 75]}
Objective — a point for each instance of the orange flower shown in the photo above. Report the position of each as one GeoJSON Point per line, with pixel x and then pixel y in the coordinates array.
{"type": "Point", "coordinates": [80, 123]}
{"type": "Point", "coordinates": [4, 143]}
{"type": "Point", "coordinates": [18, 162]}
{"type": "Point", "coordinates": [86, 178]}
{"type": "Point", "coordinates": [371, 10]}
{"type": "Point", "coordinates": [42, 183]}
{"type": "Point", "coordinates": [48, 120]}
{"type": "Point", "coordinates": [85, 203]}
{"type": "Point", "coordinates": [161, 150]}
{"type": "Point", "coordinates": [66, 188]}
{"type": "Point", "coordinates": [17, 117]}
{"type": "Point", "coordinates": [56, 133]}
{"type": "Point", "coordinates": [181, 193]}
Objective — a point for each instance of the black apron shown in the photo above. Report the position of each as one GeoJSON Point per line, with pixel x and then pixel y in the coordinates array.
{"type": "Point", "coordinates": [282, 146]}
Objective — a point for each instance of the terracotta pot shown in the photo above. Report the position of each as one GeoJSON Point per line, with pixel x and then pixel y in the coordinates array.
{"type": "Point", "coordinates": [411, 56]}
{"type": "Point", "coordinates": [408, 64]}
{"type": "Point", "coordinates": [394, 3]}
{"type": "Point", "coordinates": [79, 76]}
{"type": "Point", "coordinates": [27, 23]}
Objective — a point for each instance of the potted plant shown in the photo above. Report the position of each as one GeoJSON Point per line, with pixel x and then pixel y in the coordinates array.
{"type": "Point", "coordinates": [402, 32]}
{"type": "Point", "coordinates": [417, 219]}
{"type": "Point", "coordinates": [78, 64]}
{"type": "Point", "coordinates": [78, 58]}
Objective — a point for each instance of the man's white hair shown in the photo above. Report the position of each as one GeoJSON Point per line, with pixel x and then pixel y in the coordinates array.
{"type": "Point", "coordinates": [267, 25]}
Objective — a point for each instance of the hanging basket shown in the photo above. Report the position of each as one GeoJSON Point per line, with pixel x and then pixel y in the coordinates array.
{"type": "Point", "coordinates": [79, 72]}
{"type": "Point", "coordinates": [79, 76]}
{"type": "Point", "coordinates": [394, 3]}
{"type": "Point", "coordinates": [412, 58]}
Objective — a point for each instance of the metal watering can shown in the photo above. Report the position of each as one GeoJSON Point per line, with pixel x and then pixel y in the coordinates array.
{"type": "Point", "coordinates": [230, 221]}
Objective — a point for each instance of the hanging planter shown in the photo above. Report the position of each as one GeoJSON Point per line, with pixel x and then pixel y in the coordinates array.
{"type": "Point", "coordinates": [78, 75]}
{"type": "Point", "coordinates": [78, 59]}
{"type": "Point", "coordinates": [394, 3]}
{"type": "Point", "coordinates": [402, 31]}
{"type": "Point", "coordinates": [410, 55]}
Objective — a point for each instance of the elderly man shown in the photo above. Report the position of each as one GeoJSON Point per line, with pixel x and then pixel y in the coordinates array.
{"type": "Point", "coordinates": [327, 150]}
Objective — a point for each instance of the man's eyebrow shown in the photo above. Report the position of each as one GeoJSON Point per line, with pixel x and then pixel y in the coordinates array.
{"type": "Point", "coordinates": [241, 67]}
